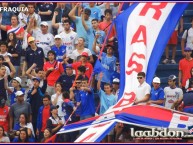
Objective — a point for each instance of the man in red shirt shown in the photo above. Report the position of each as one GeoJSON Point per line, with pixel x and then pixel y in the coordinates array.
{"type": "Point", "coordinates": [43, 116]}
{"type": "Point", "coordinates": [106, 24]}
{"type": "Point", "coordinates": [53, 70]}
{"type": "Point", "coordinates": [84, 62]}
{"type": "Point", "coordinates": [185, 65]}
{"type": "Point", "coordinates": [4, 114]}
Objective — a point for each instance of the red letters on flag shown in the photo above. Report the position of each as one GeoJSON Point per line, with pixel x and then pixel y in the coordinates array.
{"type": "Point", "coordinates": [154, 6]}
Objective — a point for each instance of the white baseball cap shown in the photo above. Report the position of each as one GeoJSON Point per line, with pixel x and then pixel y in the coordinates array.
{"type": "Point", "coordinates": [19, 93]}
{"type": "Point", "coordinates": [156, 80]}
{"type": "Point", "coordinates": [17, 79]}
{"type": "Point", "coordinates": [57, 37]}
{"type": "Point", "coordinates": [44, 23]}
{"type": "Point", "coordinates": [116, 80]}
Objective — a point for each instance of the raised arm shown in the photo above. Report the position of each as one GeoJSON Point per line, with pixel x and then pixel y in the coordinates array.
{"type": "Point", "coordinates": [28, 72]}
{"type": "Point", "coordinates": [72, 12]}
{"type": "Point", "coordinates": [13, 71]}
{"type": "Point", "coordinates": [99, 81]}
{"type": "Point", "coordinates": [54, 24]}
{"type": "Point", "coordinates": [83, 21]}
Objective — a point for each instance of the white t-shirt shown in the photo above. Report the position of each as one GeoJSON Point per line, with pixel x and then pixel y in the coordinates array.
{"type": "Point", "coordinates": [59, 103]}
{"type": "Point", "coordinates": [171, 95]}
{"type": "Point", "coordinates": [69, 40]}
{"type": "Point", "coordinates": [189, 37]}
{"type": "Point", "coordinates": [45, 41]}
{"type": "Point", "coordinates": [76, 55]}
{"type": "Point", "coordinates": [142, 90]}
{"type": "Point", "coordinates": [35, 32]}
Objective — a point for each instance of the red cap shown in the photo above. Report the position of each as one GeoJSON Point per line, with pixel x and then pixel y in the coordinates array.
{"type": "Point", "coordinates": [85, 54]}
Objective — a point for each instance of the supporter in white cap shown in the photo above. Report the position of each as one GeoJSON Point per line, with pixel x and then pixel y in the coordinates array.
{"type": "Point", "coordinates": [16, 84]}
{"type": "Point", "coordinates": [173, 94]}
{"type": "Point", "coordinates": [115, 85]}
{"type": "Point", "coordinates": [157, 93]}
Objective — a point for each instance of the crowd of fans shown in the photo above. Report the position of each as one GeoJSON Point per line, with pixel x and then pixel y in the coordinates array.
{"type": "Point", "coordinates": [56, 45]}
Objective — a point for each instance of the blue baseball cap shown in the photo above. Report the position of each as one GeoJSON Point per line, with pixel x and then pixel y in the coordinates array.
{"type": "Point", "coordinates": [38, 79]}
{"type": "Point", "coordinates": [187, 49]}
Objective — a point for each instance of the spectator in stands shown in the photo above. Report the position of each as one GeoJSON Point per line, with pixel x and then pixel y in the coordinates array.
{"type": "Point", "coordinates": [4, 115]}
{"type": "Point", "coordinates": [107, 99]}
{"type": "Point", "coordinates": [57, 99]}
{"type": "Point", "coordinates": [33, 28]}
{"type": "Point", "coordinates": [22, 17]}
{"type": "Point", "coordinates": [86, 101]}
{"type": "Point", "coordinates": [34, 72]}
{"type": "Point", "coordinates": [95, 11]}
{"type": "Point", "coordinates": [74, 95]}
{"type": "Point", "coordinates": [2, 62]}
{"type": "Point", "coordinates": [84, 62]}
{"type": "Point", "coordinates": [108, 61]}
{"type": "Point", "coordinates": [68, 108]}
{"type": "Point", "coordinates": [143, 90]}
{"type": "Point", "coordinates": [32, 14]}
{"type": "Point", "coordinates": [45, 10]}
{"type": "Point", "coordinates": [43, 116]}
{"type": "Point", "coordinates": [189, 82]}
{"type": "Point", "coordinates": [67, 79]}
{"type": "Point", "coordinates": [23, 122]}
{"type": "Point", "coordinates": [14, 27]}
{"type": "Point", "coordinates": [44, 39]}
{"type": "Point", "coordinates": [187, 39]}
{"type": "Point", "coordinates": [185, 66]}
{"type": "Point", "coordinates": [81, 32]}
{"type": "Point", "coordinates": [173, 95]}
{"type": "Point", "coordinates": [105, 26]}
{"type": "Point", "coordinates": [76, 54]}
{"type": "Point", "coordinates": [4, 49]}
{"type": "Point", "coordinates": [55, 123]}
{"type": "Point", "coordinates": [60, 25]}
{"type": "Point", "coordinates": [59, 48]}
{"type": "Point", "coordinates": [3, 137]}
{"type": "Point", "coordinates": [33, 55]}
{"type": "Point", "coordinates": [16, 84]}
{"type": "Point", "coordinates": [157, 93]}
{"type": "Point", "coordinates": [69, 38]}
{"type": "Point", "coordinates": [23, 136]}
{"type": "Point", "coordinates": [14, 48]}
{"type": "Point", "coordinates": [6, 19]}
{"type": "Point", "coordinates": [4, 78]}
{"type": "Point", "coordinates": [173, 43]}
{"type": "Point", "coordinates": [116, 74]}
{"type": "Point", "coordinates": [47, 134]}
{"type": "Point", "coordinates": [35, 96]}
{"type": "Point", "coordinates": [17, 108]}
{"type": "Point", "coordinates": [53, 70]}
{"type": "Point", "coordinates": [115, 87]}
{"type": "Point", "coordinates": [92, 34]}
{"type": "Point", "coordinates": [62, 9]}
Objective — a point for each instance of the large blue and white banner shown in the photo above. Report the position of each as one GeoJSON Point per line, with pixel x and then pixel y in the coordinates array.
{"type": "Point", "coordinates": [143, 31]}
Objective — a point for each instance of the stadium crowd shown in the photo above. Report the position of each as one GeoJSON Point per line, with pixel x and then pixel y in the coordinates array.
{"type": "Point", "coordinates": [51, 49]}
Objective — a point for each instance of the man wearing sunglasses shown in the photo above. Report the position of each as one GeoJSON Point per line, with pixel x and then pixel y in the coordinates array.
{"type": "Point", "coordinates": [143, 90]}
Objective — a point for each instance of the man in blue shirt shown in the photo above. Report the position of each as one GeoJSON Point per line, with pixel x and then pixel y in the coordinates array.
{"type": "Point", "coordinates": [33, 55]}
{"type": "Point", "coordinates": [67, 79]}
{"type": "Point", "coordinates": [157, 93]}
{"type": "Point", "coordinates": [86, 101]}
{"type": "Point", "coordinates": [59, 49]}
{"type": "Point", "coordinates": [79, 27]}
{"type": "Point", "coordinates": [107, 99]}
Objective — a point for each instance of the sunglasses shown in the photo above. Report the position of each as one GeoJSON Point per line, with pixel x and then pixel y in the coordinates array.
{"type": "Point", "coordinates": [139, 77]}
{"type": "Point", "coordinates": [117, 64]}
